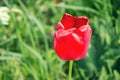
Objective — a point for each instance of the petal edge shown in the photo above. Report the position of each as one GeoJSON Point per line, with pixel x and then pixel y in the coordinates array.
{"type": "Point", "coordinates": [80, 21]}
{"type": "Point", "coordinates": [67, 21]}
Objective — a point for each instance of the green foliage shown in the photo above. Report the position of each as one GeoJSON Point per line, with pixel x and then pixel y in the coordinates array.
{"type": "Point", "coordinates": [26, 43]}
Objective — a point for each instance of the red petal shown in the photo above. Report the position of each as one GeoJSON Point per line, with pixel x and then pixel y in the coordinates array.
{"type": "Point", "coordinates": [67, 21]}
{"type": "Point", "coordinates": [80, 21]}
{"type": "Point", "coordinates": [58, 1]}
{"type": "Point", "coordinates": [87, 32]}
{"type": "Point", "coordinates": [68, 45]}
{"type": "Point", "coordinates": [59, 26]}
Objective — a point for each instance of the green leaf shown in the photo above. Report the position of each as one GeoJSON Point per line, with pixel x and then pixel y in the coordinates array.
{"type": "Point", "coordinates": [80, 8]}
{"type": "Point", "coordinates": [116, 75]}
{"type": "Point", "coordinates": [117, 25]}
{"type": "Point", "coordinates": [103, 75]}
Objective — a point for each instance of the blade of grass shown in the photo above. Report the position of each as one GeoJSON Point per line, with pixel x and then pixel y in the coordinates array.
{"type": "Point", "coordinates": [80, 8]}
{"type": "Point", "coordinates": [41, 60]}
{"type": "Point", "coordinates": [14, 54]}
{"type": "Point", "coordinates": [9, 58]}
{"type": "Point", "coordinates": [37, 22]}
{"type": "Point", "coordinates": [8, 40]}
{"type": "Point", "coordinates": [34, 52]}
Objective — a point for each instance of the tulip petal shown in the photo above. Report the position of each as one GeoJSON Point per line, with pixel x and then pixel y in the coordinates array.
{"type": "Point", "coordinates": [80, 21]}
{"type": "Point", "coordinates": [67, 21]}
{"type": "Point", "coordinates": [68, 45]}
{"type": "Point", "coordinates": [59, 26]}
{"type": "Point", "coordinates": [87, 32]}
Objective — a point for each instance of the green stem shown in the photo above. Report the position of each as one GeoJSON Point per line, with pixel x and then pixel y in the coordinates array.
{"type": "Point", "coordinates": [70, 70]}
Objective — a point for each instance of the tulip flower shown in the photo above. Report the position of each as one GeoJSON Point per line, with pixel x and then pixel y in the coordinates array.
{"type": "Point", "coordinates": [58, 1]}
{"type": "Point", "coordinates": [72, 37]}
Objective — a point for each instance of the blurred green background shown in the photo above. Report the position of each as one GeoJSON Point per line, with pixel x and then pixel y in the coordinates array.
{"type": "Point", "coordinates": [26, 43]}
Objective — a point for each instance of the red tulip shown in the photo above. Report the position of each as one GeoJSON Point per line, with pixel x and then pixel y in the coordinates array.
{"type": "Point", "coordinates": [58, 1]}
{"type": "Point", "coordinates": [72, 37]}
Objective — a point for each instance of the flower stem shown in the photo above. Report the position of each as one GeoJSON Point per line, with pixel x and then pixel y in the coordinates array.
{"type": "Point", "coordinates": [70, 70]}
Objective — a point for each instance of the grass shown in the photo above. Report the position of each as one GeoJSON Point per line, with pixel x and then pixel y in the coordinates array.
{"type": "Point", "coordinates": [26, 43]}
